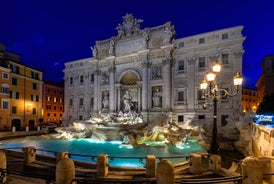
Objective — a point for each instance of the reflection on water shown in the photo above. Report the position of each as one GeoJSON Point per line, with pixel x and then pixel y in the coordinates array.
{"type": "Point", "coordinates": [88, 149]}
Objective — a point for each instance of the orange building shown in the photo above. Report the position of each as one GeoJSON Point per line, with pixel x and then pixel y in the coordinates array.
{"type": "Point", "coordinates": [5, 81]}
{"type": "Point", "coordinates": [53, 103]}
{"type": "Point", "coordinates": [21, 101]}
{"type": "Point", "coordinates": [265, 83]}
{"type": "Point", "coordinates": [250, 100]}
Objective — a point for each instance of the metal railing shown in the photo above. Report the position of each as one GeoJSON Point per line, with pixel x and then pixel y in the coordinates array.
{"type": "Point", "coordinates": [234, 179]}
{"type": "Point", "coordinates": [93, 158]}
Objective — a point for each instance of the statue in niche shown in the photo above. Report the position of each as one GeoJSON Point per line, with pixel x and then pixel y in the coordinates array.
{"type": "Point", "coordinates": [157, 98]}
{"type": "Point", "coordinates": [111, 48]}
{"type": "Point", "coordinates": [105, 101]}
{"type": "Point", "coordinates": [127, 101]}
{"type": "Point", "coordinates": [169, 35]}
{"type": "Point", "coordinates": [130, 26]}
{"type": "Point", "coordinates": [146, 39]}
{"type": "Point", "coordinates": [105, 78]}
{"type": "Point", "coordinates": [94, 51]}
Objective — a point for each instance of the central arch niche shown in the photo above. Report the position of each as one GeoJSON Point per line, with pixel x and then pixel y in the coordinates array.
{"type": "Point", "coordinates": [129, 87]}
{"type": "Point", "coordinates": [129, 78]}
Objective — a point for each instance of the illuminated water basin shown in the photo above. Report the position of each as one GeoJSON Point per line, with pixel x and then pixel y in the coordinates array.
{"type": "Point", "coordinates": [85, 150]}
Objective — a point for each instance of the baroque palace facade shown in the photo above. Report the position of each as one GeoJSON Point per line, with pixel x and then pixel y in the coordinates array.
{"type": "Point", "coordinates": [150, 71]}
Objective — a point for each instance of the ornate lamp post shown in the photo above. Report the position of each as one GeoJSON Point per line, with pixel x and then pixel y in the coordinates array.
{"type": "Point", "coordinates": [211, 89]}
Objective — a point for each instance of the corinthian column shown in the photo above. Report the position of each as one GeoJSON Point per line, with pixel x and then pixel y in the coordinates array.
{"type": "Point", "coordinates": [111, 89]}
{"type": "Point", "coordinates": [167, 84]}
{"type": "Point", "coordinates": [97, 89]}
{"type": "Point", "coordinates": [145, 86]}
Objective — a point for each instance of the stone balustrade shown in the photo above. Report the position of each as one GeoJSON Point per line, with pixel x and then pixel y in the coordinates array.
{"type": "Point", "coordinates": [162, 173]}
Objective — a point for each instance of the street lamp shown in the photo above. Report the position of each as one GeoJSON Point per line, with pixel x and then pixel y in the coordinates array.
{"type": "Point", "coordinates": [211, 89]}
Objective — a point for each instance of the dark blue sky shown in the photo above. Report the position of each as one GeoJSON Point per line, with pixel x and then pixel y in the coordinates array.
{"type": "Point", "coordinates": [47, 33]}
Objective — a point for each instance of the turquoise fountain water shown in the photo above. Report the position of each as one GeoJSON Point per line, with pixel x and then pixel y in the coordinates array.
{"type": "Point", "coordinates": [85, 150]}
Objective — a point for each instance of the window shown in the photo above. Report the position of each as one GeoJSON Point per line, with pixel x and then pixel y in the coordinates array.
{"type": "Point", "coordinates": [200, 95]}
{"type": "Point", "coordinates": [61, 108]}
{"type": "Point", "coordinates": [54, 107]}
{"type": "Point", "coordinates": [81, 101]}
{"type": "Point", "coordinates": [61, 115]}
{"type": "Point", "coordinates": [180, 96]}
{"type": "Point", "coordinates": [225, 59]}
{"type": "Point", "coordinates": [80, 117]}
{"type": "Point", "coordinates": [34, 98]}
{"type": "Point", "coordinates": [54, 91]}
{"type": "Point", "coordinates": [201, 62]}
{"type": "Point", "coordinates": [14, 68]}
{"type": "Point", "coordinates": [61, 100]}
{"type": "Point", "coordinates": [5, 75]}
{"type": "Point", "coordinates": [71, 80]}
{"type": "Point", "coordinates": [14, 109]}
{"type": "Point", "coordinates": [54, 99]}
{"type": "Point", "coordinates": [5, 104]}
{"type": "Point", "coordinates": [48, 107]}
{"type": "Point", "coordinates": [92, 77]}
{"type": "Point", "coordinates": [181, 44]}
{"type": "Point", "coordinates": [14, 94]}
{"type": "Point", "coordinates": [71, 102]}
{"type": "Point", "coordinates": [14, 81]}
{"type": "Point", "coordinates": [201, 116]}
{"type": "Point", "coordinates": [48, 114]}
{"type": "Point", "coordinates": [5, 89]}
{"type": "Point", "coordinates": [224, 36]}
{"type": "Point", "coordinates": [34, 86]}
{"type": "Point", "coordinates": [81, 79]}
{"type": "Point", "coordinates": [91, 101]}
{"type": "Point", "coordinates": [54, 114]}
{"type": "Point", "coordinates": [48, 98]}
{"type": "Point", "coordinates": [201, 40]}
{"type": "Point", "coordinates": [34, 75]}
{"type": "Point", "coordinates": [181, 65]}
{"type": "Point", "coordinates": [180, 118]}
{"type": "Point", "coordinates": [33, 110]}
{"type": "Point", "coordinates": [48, 90]}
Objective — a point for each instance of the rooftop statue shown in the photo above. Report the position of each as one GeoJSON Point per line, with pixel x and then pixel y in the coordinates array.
{"type": "Point", "coordinates": [130, 26]}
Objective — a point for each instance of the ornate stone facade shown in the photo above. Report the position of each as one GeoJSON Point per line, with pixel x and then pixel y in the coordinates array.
{"type": "Point", "coordinates": [160, 73]}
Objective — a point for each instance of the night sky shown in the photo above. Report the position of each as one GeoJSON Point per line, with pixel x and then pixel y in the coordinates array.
{"type": "Point", "coordinates": [48, 33]}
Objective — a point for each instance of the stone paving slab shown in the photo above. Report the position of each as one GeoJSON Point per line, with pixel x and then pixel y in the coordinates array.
{"type": "Point", "coordinates": [15, 179]}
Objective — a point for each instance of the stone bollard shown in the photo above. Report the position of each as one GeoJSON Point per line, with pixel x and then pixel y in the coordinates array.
{"type": "Point", "coordinates": [13, 129]}
{"type": "Point", "coordinates": [61, 155]}
{"type": "Point", "coordinates": [195, 163]}
{"type": "Point", "coordinates": [29, 155]}
{"type": "Point", "coordinates": [102, 165]}
{"type": "Point", "coordinates": [252, 167]}
{"type": "Point", "coordinates": [165, 172]}
{"type": "Point", "coordinates": [27, 128]}
{"type": "Point", "coordinates": [3, 165]}
{"type": "Point", "coordinates": [215, 163]}
{"type": "Point", "coordinates": [65, 171]}
{"type": "Point", "coordinates": [266, 161]}
{"type": "Point", "coordinates": [151, 166]}
{"type": "Point", "coordinates": [38, 128]}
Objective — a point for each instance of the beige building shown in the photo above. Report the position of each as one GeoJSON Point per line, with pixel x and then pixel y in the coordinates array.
{"type": "Point", "coordinates": [153, 71]}
{"type": "Point", "coordinates": [23, 98]}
